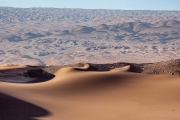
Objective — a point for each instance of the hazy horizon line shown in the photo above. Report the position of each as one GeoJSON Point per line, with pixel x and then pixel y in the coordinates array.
{"type": "Point", "coordinates": [88, 8]}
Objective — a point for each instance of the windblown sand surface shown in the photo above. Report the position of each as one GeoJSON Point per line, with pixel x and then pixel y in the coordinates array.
{"type": "Point", "coordinates": [83, 93]}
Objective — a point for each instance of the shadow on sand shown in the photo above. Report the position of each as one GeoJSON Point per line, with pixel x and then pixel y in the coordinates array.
{"type": "Point", "coordinates": [15, 109]}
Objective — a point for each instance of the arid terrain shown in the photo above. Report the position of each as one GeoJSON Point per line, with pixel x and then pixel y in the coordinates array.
{"type": "Point", "coordinates": [51, 36]}
{"type": "Point", "coordinates": [83, 64]}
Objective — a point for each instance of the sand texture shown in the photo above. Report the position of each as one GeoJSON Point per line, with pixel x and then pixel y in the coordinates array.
{"type": "Point", "coordinates": [85, 93]}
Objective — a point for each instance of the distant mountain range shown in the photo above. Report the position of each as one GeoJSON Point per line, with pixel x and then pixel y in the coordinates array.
{"type": "Point", "coordinates": [43, 35]}
{"type": "Point", "coordinates": [12, 15]}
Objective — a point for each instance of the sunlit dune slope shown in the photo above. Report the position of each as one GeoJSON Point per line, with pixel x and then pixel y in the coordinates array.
{"type": "Point", "coordinates": [83, 93]}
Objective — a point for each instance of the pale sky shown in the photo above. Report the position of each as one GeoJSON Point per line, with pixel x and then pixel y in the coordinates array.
{"type": "Point", "coordinates": [97, 4]}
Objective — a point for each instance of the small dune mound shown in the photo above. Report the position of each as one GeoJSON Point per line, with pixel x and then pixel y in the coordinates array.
{"type": "Point", "coordinates": [87, 67]}
{"type": "Point", "coordinates": [53, 69]}
{"type": "Point", "coordinates": [122, 69]}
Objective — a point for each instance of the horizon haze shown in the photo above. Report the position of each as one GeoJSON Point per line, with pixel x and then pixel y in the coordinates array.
{"type": "Point", "coordinates": [93, 4]}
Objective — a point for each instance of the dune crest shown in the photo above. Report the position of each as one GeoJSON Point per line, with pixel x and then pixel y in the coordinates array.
{"type": "Point", "coordinates": [8, 67]}
{"type": "Point", "coordinates": [122, 69]}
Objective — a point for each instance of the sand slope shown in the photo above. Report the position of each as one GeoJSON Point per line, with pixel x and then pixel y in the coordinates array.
{"type": "Point", "coordinates": [84, 94]}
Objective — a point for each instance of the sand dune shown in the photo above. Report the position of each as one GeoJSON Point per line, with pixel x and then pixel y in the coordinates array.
{"type": "Point", "coordinates": [82, 93]}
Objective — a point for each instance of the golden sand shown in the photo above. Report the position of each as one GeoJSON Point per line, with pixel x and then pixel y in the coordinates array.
{"type": "Point", "coordinates": [79, 94]}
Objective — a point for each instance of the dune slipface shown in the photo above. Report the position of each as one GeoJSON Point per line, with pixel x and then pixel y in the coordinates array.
{"type": "Point", "coordinates": [85, 94]}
